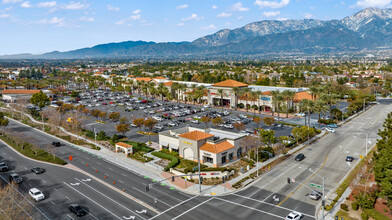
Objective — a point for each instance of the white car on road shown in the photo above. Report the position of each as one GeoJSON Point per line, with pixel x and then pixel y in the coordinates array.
{"type": "Point", "coordinates": [294, 216]}
{"type": "Point", "coordinates": [330, 129]}
{"type": "Point", "coordinates": [36, 194]}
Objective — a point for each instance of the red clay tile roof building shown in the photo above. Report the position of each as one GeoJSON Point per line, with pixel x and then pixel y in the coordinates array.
{"type": "Point", "coordinates": [196, 135]}
{"type": "Point", "coordinates": [230, 83]}
{"type": "Point", "coordinates": [216, 148]}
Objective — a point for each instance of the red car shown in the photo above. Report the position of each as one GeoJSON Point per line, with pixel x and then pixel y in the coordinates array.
{"type": "Point", "coordinates": [111, 103]}
{"type": "Point", "coordinates": [144, 101]}
{"type": "Point", "coordinates": [104, 103]}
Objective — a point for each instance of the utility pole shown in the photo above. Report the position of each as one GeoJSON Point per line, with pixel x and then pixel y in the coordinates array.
{"type": "Point", "coordinates": [323, 196]}
{"type": "Point", "coordinates": [257, 161]}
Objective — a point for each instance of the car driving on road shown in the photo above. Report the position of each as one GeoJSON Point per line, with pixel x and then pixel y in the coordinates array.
{"type": "Point", "coordinates": [294, 216]}
{"type": "Point", "coordinates": [37, 170]}
{"type": "Point", "coordinates": [315, 195]}
{"type": "Point", "coordinates": [300, 157]}
{"type": "Point", "coordinates": [36, 194]}
{"type": "Point", "coordinates": [3, 167]}
{"type": "Point", "coordinates": [14, 177]}
{"type": "Point", "coordinates": [330, 129]}
{"type": "Point", "coordinates": [77, 210]}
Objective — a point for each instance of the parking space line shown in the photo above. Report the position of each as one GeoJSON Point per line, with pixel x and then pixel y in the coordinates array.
{"type": "Point", "coordinates": [258, 210]}
{"type": "Point", "coordinates": [193, 208]}
{"type": "Point", "coordinates": [92, 200]}
{"type": "Point", "coordinates": [93, 216]}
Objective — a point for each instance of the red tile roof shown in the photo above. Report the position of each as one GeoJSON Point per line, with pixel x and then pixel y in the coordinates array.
{"type": "Point", "coordinates": [196, 135]}
{"type": "Point", "coordinates": [145, 79]}
{"type": "Point", "coordinates": [124, 145]}
{"type": "Point", "coordinates": [170, 83]}
{"type": "Point", "coordinates": [217, 148]}
{"type": "Point", "coordinates": [159, 77]}
{"type": "Point", "coordinates": [230, 83]}
{"type": "Point", "coordinates": [299, 96]}
{"type": "Point", "coordinates": [19, 91]}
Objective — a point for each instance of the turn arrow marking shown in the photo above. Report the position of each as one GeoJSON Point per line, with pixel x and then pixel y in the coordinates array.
{"type": "Point", "coordinates": [86, 180]}
{"type": "Point", "coordinates": [128, 218]}
{"type": "Point", "coordinates": [142, 211]}
{"type": "Point", "coordinates": [75, 184]}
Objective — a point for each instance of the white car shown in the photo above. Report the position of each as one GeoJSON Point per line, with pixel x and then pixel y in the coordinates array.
{"type": "Point", "coordinates": [230, 126]}
{"type": "Point", "coordinates": [36, 194]}
{"type": "Point", "coordinates": [330, 129]}
{"type": "Point", "coordinates": [206, 106]}
{"type": "Point", "coordinates": [294, 216]}
{"type": "Point", "coordinates": [300, 114]}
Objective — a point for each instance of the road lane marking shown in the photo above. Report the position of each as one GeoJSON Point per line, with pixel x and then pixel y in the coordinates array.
{"type": "Point", "coordinates": [258, 210]}
{"type": "Point", "coordinates": [44, 181]}
{"type": "Point", "coordinates": [30, 185]}
{"type": "Point", "coordinates": [281, 207]}
{"type": "Point", "coordinates": [193, 208]}
{"type": "Point", "coordinates": [67, 198]}
{"type": "Point", "coordinates": [174, 206]}
{"type": "Point", "coordinates": [123, 174]}
{"type": "Point", "coordinates": [109, 198]}
{"type": "Point", "coordinates": [70, 217]}
{"type": "Point", "coordinates": [53, 203]}
{"type": "Point", "coordinates": [92, 200]}
{"type": "Point", "coordinates": [151, 196]}
{"type": "Point", "coordinates": [110, 169]}
{"type": "Point", "coordinates": [55, 189]}
{"type": "Point", "coordinates": [93, 216]}
{"type": "Point", "coordinates": [121, 181]}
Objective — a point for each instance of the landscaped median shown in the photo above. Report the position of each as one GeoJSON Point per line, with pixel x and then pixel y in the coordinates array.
{"type": "Point", "coordinates": [31, 150]}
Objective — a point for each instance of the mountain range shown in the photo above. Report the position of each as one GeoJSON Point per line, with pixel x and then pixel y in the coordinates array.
{"type": "Point", "coordinates": [369, 29]}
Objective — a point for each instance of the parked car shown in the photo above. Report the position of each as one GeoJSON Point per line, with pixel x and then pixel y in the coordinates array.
{"type": "Point", "coordinates": [206, 106]}
{"type": "Point", "coordinates": [195, 121]}
{"type": "Point", "coordinates": [37, 170]}
{"type": "Point", "coordinates": [332, 125]}
{"type": "Point", "coordinates": [3, 167]}
{"type": "Point", "coordinates": [349, 159]}
{"type": "Point", "coordinates": [300, 157]}
{"type": "Point", "coordinates": [36, 194]}
{"type": "Point", "coordinates": [315, 195]}
{"type": "Point", "coordinates": [229, 126]}
{"type": "Point", "coordinates": [14, 177]}
{"type": "Point", "coordinates": [294, 216]}
{"type": "Point", "coordinates": [158, 127]}
{"type": "Point", "coordinates": [77, 210]}
{"type": "Point", "coordinates": [300, 114]}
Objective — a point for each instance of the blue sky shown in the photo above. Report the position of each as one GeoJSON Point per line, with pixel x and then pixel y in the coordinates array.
{"type": "Point", "coordinates": [37, 26]}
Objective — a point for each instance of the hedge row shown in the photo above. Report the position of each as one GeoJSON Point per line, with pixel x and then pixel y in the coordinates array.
{"type": "Point", "coordinates": [173, 160]}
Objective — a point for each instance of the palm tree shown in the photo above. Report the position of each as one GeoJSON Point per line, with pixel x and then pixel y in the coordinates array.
{"type": "Point", "coordinates": [314, 90]}
{"type": "Point", "coordinates": [288, 95]}
{"type": "Point", "coordinates": [320, 107]}
{"type": "Point", "coordinates": [160, 90]}
{"type": "Point", "coordinates": [253, 97]}
{"type": "Point", "coordinates": [221, 92]}
{"type": "Point", "coordinates": [309, 106]}
{"type": "Point", "coordinates": [246, 95]}
{"type": "Point", "coordinates": [274, 95]}
{"type": "Point", "coordinates": [258, 96]}
{"type": "Point", "coordinates": [183, 88]}
{"type": "Point", "coordinates": [174, 89]}
{"type": "Point", "coordinates": [329, 99]}
{"type": "Point", "coordinates": [279, 99]}
{"type": "Point", "coordinates": [236, 92]}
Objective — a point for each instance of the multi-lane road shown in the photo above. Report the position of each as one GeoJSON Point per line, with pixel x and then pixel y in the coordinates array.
{"type": "Point", "coordinates": [270, 197]}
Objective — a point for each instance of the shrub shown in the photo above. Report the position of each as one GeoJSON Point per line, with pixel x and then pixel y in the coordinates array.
{"type": "Point", "coordinates": [354, 206]}
{"type": "Point", "coordinates": [344, 207]}
{"type": "Point", "coordinates": [364, 216]}
{"type": "Point", "coordinates": [173, 160]}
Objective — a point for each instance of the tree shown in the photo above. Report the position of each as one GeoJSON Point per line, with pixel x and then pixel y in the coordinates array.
{"type": "Point", "coordinates": [139, 122]}
{"type": "Point", "coordinates": [124, 120]}
{"type": "Point", "coordinates": [257, 120]}
{"type": "Point", "coordinates": [115, 117]}
{"type": "Point", "coordinates": [268, 137]}
{"type": "Point", "coordinates": [150, 123]}
{"type": "Point", "coordinates": [239, 126]}
{"type": "Point", "coordinates": [103, 115]}
{"type": "Point", "coordinates": [206, 120]}
{"type": "Point", "coordinates": [216, 121]}
{"type": "Point", "coordinates": [248, 143]}
{"type": "Point", "coordinates": [12, 204]}
{"type": "Point", "coordinates": [80, 108]}
{"type": "Point", "coordinates": [274, 94]}
{"type": "Point", "coordinates": [86, 111]}
{"type": "Point", "coordinates": [3, 120]}
{"type": "Point", "coordinates": [288, 95]}
{"type": "Point", "coordinates": [123, 128]}
{"type": "Point", "coordinates": [95, 113]}
{"type": "Point", "coordinates": [268, 120]}
{"type": "Point", "coordinates": [221, 92]}
{"type": "Point", "coordinates": [40, 99]}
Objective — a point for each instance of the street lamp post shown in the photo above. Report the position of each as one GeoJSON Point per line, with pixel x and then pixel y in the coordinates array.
{"type": "Point", "coordinates": [322, 201]}
{"type": "Point", "coordinates": [198, 167]}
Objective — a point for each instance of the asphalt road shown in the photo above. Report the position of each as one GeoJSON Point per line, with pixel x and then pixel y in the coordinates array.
{"type": "Point", "coordinates": [62, 187]}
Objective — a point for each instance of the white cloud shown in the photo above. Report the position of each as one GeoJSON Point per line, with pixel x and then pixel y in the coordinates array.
{"type": "Point", "coordinates": [224, 15]}
{"type": "Point", "coordinates": [209, 27]}
{"type": "Point", "coordinates": [26, 5]}
{"type": "Point", "coordinates": [55, 21]}
{"type": "Point", "coordinates": [240, 17]}
{"type": "Point", "coordinates": [182, 6]}
{"type": "Point", "coordinates": [271, 14]}
{"type": "Point", "coordinates": [11, 1]}
{"type": "Point", "coordinates": [214, 7]}
{"type": "Point", "coordinates": [238, 7]}
{"type": "Point", "coordinates": [75, 6]}
{"type": "Point", "coordinates": [87, 19]}
{"type": "Point", "coordinates": [135, 17]}
{"type": "Point", "coordinates": [272, 4]}
{"type": "Point", "coordinates": [4, 15]}
{"type": "Point", "coordinates": [282, 19]}
{"type": "Point", "coordinates": [372, 3]}
{"type": "Point", "coordinates": [308, 15]}
{"type": "Point", "coordinates": [181, 24]}
{"type": "Point", "coordinates": [194, 17]}
{"type": "Point", "coordinates": [46, 4]}
{"type": "Point", "coordinates": [137, 11]}
{"type": "Point", "coordinates": [128, 20]}
{"type": "Point", "coordinates": [112, 8]}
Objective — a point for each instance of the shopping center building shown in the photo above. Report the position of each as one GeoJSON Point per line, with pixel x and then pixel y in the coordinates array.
{"type": "Point", "coordinates": [214, 147]}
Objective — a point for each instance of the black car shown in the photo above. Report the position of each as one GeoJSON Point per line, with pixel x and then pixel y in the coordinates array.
{"type": "Point", "coordinates": [14, 177]}
{"type": "Point", "coordinates": [77, 209]}
{"type": "Point", "coordinates": [3, 167]}
{"type": "Point", "coordinates": [56, 143]}
{"type": "Point", "coordinates": [349, 159]}
{"type": "Point", "coordinates": [37, 170]}
{"type": "Point", "coordinates": [300, 157]}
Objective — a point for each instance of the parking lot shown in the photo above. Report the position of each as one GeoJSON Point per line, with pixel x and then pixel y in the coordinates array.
{"type": "Point", "coordinates": [170, 115]}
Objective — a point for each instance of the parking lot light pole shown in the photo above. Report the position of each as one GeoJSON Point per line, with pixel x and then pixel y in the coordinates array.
{"type": "Point", "coordinates": [323, 196]}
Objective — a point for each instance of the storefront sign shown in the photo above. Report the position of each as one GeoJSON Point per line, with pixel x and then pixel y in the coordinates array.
{"type": "Point", "coordinates": [207, 154]}
{"type": "Point", "coordinates": [187, 143]}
